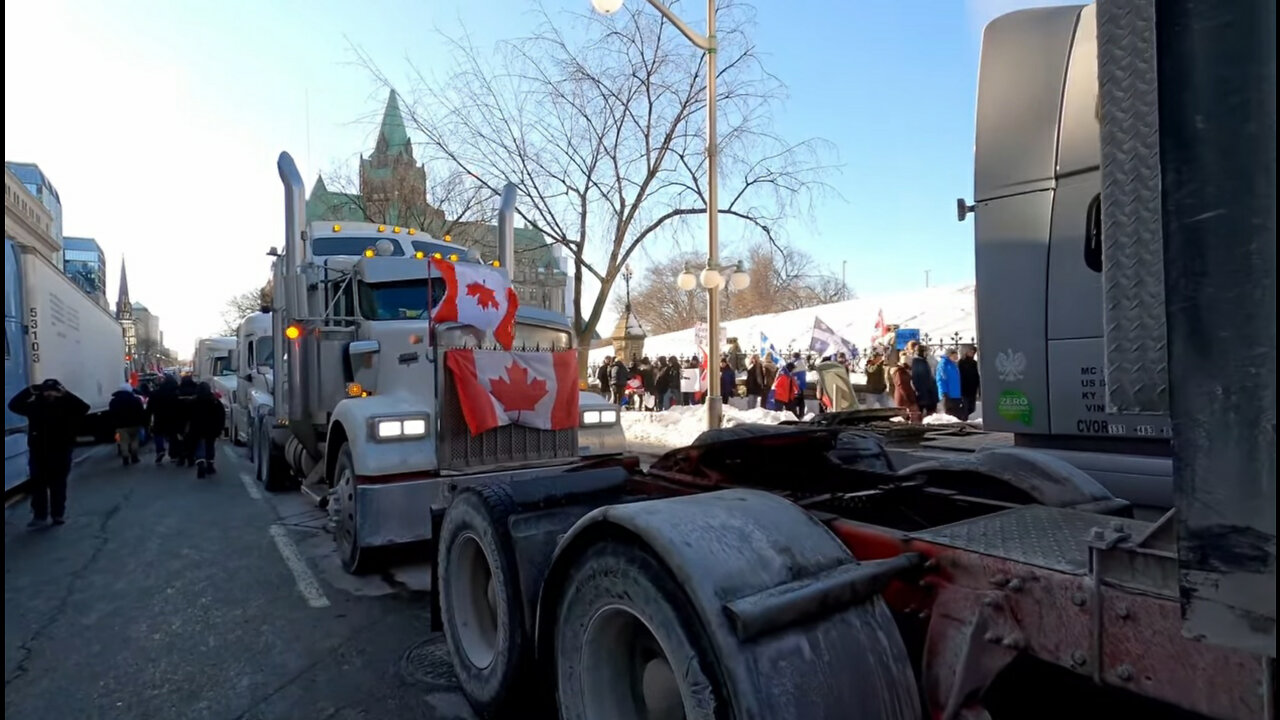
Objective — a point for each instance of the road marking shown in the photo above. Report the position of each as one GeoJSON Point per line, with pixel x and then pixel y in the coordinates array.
{"type": "Point", "coordinates": [251, 486]}
{"type": "Point", "coordinates": [302, 576]}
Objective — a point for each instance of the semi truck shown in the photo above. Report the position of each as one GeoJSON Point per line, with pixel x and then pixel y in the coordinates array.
{"type": "Point", "coordinates": [213, 361]}
{"type": "Point", "coordinates": [53, 329]}
{"type": "Point", "coordinates": [788, 572]}
{"type": "Point", "coordinates": [377, 401]}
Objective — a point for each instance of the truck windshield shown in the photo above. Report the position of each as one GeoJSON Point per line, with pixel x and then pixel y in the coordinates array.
{"type": "Point", "coordinates": [222, 366]}
{"type": "Point", "coordinates": [400, 300]}
{"type": "Point", "coordinates": [349, 245]}
{"type": "Point", "coordinates": [265, 353]}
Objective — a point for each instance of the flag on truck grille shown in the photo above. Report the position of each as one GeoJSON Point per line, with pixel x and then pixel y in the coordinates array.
{"type": "Point", "coordinates": [535, 389]}
{"type": "Point", "coordinates": [479, 296]}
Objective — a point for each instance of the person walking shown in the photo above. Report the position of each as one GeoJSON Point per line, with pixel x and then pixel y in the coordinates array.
{"type": "Point", "coordinates": [53, 413]}
{"type": "Point", "coordinates": [129, 416]}
{"type": "Point", "coordinates": [185, 447]}
{"type": "Point", "coordinates": [163, 408]}
{"type": "Point", "coordinates": [948, 378]}
{"type": "Point", "coordinates": [904, 393]}
{"type": "Point", "coordinates": [208, 417]}
{"type": "Point", "coordinates": [970, 382]}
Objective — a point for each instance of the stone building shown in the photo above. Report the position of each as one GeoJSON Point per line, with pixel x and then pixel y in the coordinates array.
{"type": "Point", "coordinates": [393, 190]}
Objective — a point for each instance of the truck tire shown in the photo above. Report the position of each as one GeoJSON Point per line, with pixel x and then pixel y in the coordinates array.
{"type": "Point", "coordinates": [628, 645]}
{"type": "Point", "coordinates": [480, 602]}
{"type": "Point", "coordinates": [343, 509]}
{"type": "Point", "coordinates": [273, 472]}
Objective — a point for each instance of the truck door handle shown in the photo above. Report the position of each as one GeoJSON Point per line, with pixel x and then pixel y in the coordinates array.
{"type": "Point", "coordinates": [1093, 234]}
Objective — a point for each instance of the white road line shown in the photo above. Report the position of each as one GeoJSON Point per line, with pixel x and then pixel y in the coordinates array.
{"type": "Point", "coordinates": [251, 486]}
{"type": "Point", "coordinates": [306, 582]}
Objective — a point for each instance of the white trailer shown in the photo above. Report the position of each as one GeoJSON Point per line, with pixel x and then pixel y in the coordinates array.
{"type": "Point", "coordinates": [53, 329]}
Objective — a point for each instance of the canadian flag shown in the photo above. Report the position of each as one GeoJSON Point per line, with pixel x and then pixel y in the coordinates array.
{"type": "Point", "coordinates": [880, 327]}
{"type": "Point", "coordinates": [535, 389]}
{"type": "Point", "coordinates": [478, 296]}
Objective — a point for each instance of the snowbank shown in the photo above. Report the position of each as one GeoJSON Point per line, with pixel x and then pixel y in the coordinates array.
{"type": "Point", "coordinates": [938, 312]}
{"type": "Point", "coordinates": [680, 425]}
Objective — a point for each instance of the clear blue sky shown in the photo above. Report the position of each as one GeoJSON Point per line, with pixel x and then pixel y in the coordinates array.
{"type": "Point", "coordinates": [159, 123]}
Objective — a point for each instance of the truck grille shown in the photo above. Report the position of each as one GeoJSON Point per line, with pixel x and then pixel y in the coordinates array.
{"type": "Point", "coordinates": [458, 449]}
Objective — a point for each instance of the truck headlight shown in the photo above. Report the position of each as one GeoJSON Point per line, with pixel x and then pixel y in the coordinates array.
{"type": "Point", "coordinates": [599, 417]}
{"type": "Point", "coordinates": [399, 428]}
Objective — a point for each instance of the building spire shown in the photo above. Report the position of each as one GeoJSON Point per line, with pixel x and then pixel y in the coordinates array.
{"type": "Point", "coordinates": [124, 308]}
{"type": "Point", "coordinates": [393, 138]}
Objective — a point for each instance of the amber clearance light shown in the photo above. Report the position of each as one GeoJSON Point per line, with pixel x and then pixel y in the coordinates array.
{"type": "Point", "coordinates": [292, 332]}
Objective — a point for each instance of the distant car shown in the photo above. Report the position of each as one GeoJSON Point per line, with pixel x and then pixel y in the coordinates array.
{"type": "Point", "coordinates": [599, 427]}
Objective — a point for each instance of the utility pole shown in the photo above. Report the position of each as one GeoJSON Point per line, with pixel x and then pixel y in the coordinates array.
{"type": "Point", "coordinates": [926, 278]}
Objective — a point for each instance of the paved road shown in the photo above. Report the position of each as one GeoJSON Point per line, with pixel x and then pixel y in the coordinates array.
{"type": "Point", "coordinates": [169, 597]}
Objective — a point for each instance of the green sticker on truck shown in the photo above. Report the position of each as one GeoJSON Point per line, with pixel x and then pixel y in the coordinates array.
{"type": "Point", "coordinates": [1014, 406]}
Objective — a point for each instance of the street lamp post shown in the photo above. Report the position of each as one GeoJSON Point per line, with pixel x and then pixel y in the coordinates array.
{"type": "Point", "coordinates": [706, 43]}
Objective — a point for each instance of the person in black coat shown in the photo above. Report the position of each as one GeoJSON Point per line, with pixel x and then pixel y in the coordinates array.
{"type": "Point", "coordinates": [208, 417]}
{"type": "Point", "coordinates": [185, 451]}
{"type": "Point", "coordinates": [728, 381]}
{"type": "Point", "coordinates": [128, 416]}
{"type": "Point", "coordinates": [922, 381]}
{"type": "Point", "coordinates": [53, 413]}
{"type": "Point", "coordinates": [163, 409]}
{"type": "Point", "coordinates": [757, 383]}
{"type": "Point", "coordinates": [970, 382]}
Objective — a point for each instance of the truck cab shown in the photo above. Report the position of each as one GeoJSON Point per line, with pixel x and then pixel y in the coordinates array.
{"type": "Point", "coordinates": [1038, 255]}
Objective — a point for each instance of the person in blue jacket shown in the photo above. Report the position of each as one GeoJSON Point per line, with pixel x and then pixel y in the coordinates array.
{"type": "Point", "coordinates": [948, 378]}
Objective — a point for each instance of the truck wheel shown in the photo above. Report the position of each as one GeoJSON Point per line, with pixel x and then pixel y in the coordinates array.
{"type": "Point", "coordinates": [628, 645]}
{"type": "Point", "coordinates": [342, 508]}
{"type": "Point", "coordinates": [273, 471]}
{"type": "Point", "coordinates": [480, 603]}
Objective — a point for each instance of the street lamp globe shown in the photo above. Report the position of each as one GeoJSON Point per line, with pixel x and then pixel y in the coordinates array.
{"type": "Point", "coordinates": [740, 279]}
{"type": "Point", "coordinates": [606, 7]}
{"type": "Point", "coordinates": [711, 278]}
{"type": "Point", "coordinates": [686, 281]}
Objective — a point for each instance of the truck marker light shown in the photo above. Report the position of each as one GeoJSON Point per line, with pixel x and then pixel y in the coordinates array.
{"type": "Point", "coordinates": [495, 263]}
{"type": "Point", "coordinates": [453, 257]}
{"type": "Point", "coordinates": [368, 252]}
{"type": "Point", "coordinates": [448, 238]}
{"type": "Point", "coordinates": [437, 256]}
{"type": "Point", "coordinates": [292, 332]}
{"type": "Point", "coordinates": [337, 227]}
{"type": "Point", "coordinates": [382, 228]}
{"type": "Point", "coordinates": [419, 255]}
{"type": "Point", "coordinates": [412, 231]}
{"type": "Point", "coordinates": [355, 389]}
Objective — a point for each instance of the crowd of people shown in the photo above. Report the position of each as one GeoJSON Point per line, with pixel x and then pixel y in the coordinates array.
{"type": "Point", "coordinates": [183, 419]}
{"type": "Point", "coordinates": [909, 378]}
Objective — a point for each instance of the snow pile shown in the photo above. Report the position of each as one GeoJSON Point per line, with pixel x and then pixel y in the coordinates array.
{"type": "Point", "coordinates": [682, 424]}
{"type": "Point", "coordinates": [938, 312]}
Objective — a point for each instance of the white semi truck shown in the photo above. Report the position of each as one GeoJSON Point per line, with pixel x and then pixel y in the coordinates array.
{"type": "Point", "coordinates": [52, 329]}
{"type": "Point", "coordinates": [214, 362]}
{"type": "Point", "coordinates": [350, 392]}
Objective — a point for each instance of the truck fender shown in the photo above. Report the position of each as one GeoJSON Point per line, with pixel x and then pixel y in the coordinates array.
{"type": "Point", "coordinates": [759, 573]}
{"type": "Point", "coordinates": [1048, 480]}
{"type": "Point", "coordinates": [349, 423]}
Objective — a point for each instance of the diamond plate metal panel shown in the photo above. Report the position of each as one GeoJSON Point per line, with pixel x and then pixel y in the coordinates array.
{"type": "Point", "coordinates": [458, 449]}
{"type": "Point", "coordinates": [1045, 537]}
{"type": "Point", "coordinates": [1132, 249]}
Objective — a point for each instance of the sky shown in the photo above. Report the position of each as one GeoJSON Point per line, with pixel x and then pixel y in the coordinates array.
{"type": "Point", "coordinates": [159, 123]}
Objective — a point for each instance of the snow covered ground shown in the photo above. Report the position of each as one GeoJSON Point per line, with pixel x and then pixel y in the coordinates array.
{"type": "Point", "coordinates": [939, 312]}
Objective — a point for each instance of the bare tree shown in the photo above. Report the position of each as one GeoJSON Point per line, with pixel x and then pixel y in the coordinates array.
{"type": "Point", "coordinates": [244, 304]}
{"type": "Point", "coordinates": [782, 278]}
{"type": "Point", "coordinates": [598, 121]}
{"type": "Point", "coordinates": [452, 201]}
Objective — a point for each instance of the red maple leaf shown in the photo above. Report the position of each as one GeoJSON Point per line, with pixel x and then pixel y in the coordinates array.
{"type": "Point", "coordinates": [517, 391]}
{"type": "Point", "coordinates": [484, 295]}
